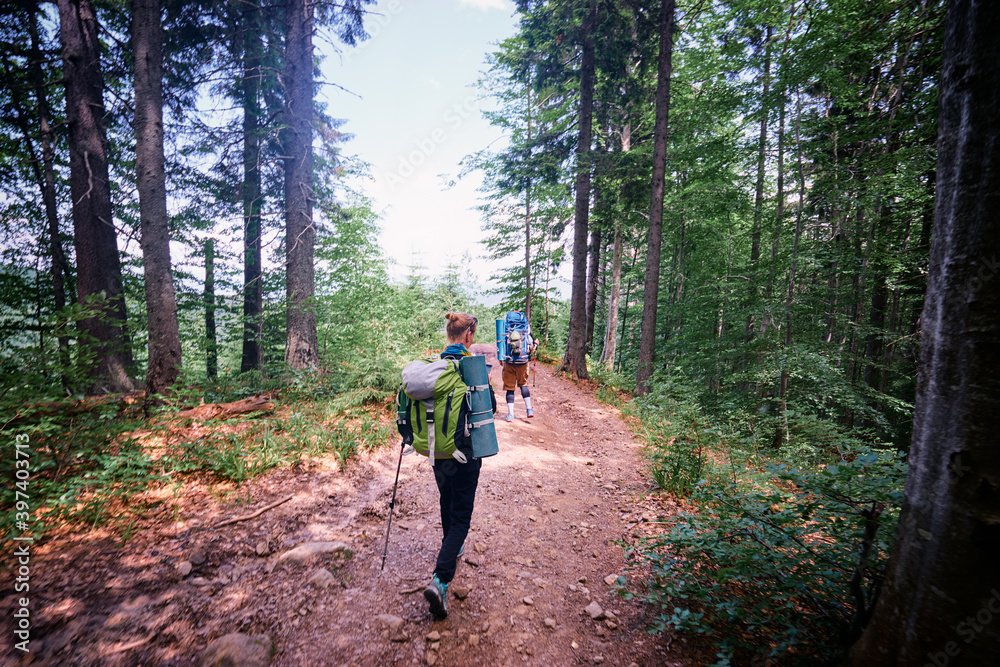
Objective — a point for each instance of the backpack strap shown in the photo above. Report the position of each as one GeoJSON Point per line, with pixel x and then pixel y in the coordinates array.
{"type": "Point", "coordinates": [430, 435]}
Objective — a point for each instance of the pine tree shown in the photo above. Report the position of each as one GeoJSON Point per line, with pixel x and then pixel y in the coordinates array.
{"type": "Point", "coordinates": [647, 342]}
{"type": "Point", "coordinates": [98, 265]}
{"type": "Point", "coordinates": [161, 307]}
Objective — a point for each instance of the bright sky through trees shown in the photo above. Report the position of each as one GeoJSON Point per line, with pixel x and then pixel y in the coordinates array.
{"type": "Point", "coordinates": [409, 99]}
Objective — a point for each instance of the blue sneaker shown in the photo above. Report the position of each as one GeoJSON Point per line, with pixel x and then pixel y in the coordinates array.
{"type": "Point", "coordinates": [461, 551]}
{"type": "Point", "coordinates": [510, 417]}
{"type": "Point", "coordinates": [436, 595]}
{"type": "Point", "coordinates": [531, 413]}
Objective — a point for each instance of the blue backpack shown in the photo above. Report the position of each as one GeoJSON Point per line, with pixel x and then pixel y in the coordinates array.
{"type": "Point", "coordinates": [518, 350]}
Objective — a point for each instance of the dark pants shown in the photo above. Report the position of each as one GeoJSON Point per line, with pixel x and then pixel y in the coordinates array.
{"type": "Point", "coordinates": [457, 483]}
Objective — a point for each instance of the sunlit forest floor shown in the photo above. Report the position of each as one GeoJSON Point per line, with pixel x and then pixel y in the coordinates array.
{"type": "Point", "coordinates": [540, 582]}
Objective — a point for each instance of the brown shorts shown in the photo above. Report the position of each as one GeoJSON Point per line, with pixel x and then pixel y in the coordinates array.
{"type": "Point", "coordinates": [514, 375]}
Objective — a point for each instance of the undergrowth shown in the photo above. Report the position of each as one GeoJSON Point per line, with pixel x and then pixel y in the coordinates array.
{"type": "Point", "coordinates": [782, 560]}
{"type": "Point", "coordinates": [90, 457]}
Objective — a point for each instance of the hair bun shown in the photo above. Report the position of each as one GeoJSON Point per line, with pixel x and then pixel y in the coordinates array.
{"type": "Point", "coordinates": [451, 316]}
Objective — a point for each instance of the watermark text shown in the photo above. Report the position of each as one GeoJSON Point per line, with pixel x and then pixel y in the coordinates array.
{"type": "Point", "coordinates": [22, 552]}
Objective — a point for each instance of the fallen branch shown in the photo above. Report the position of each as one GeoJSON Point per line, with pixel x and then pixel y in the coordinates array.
{"type": "Point", "coordinates": [226, 410]}
{"type": "Point", "coordinates": [69, 407]}
{"type": "Point", "coordinates": [251, 516]}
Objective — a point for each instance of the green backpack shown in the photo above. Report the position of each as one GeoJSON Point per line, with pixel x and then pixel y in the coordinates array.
{"type": "Point", "coordinates": [431, 405]}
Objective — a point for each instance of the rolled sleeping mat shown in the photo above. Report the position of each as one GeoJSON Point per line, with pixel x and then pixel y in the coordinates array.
{"type": "Point", "coordinates": [481, 426]}
{"type": "Point", "coordinates": [501, 340]}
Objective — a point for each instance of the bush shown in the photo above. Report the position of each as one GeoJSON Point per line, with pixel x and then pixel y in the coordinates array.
{"type": "Point", "coordinates": [788, 570]}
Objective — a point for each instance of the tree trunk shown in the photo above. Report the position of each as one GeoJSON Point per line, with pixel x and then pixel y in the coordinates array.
{"type": "Point", "coordinates": [593, 271]}
{"type": "Point", "coordinates": [647, 335]}
{"type": "Point", "coordinates": [548, 281]}
{"type": "Point", "coordinates": [251, 49]}
{"type": "Point", "coordinates": [211, 341]}
{"type": "Point", "coordinates": [858, 295]}
{"type": "Point", "coordinates": [527, 252]}
{"type": "Point", "coordinates": [244, 406]}
{"type": "Point", "coordinates": [161, 305]}
{"type": "Point", "coordinates": [942, 587]}
{"type": "Point", "coordinates": [758, 201]}
{"type": "Point", "coordinates": [47, 182]}
{"type": "Point", "coordinates": [610, 347]}
{"type": "Point", "coordinates": [628, 298]}
{"type": "Point", "coordinates": [41, 167]}
{"type": "Point", "coordinates": [779, 205]}
{"type": "Point", "coordinates": [574, 360]}
{"type": "Point", "coordinates": [874, 340]}
{"type": "Point", "coordinates": [916, 275]}
{"type": "Point", "coordinates": [678, 292]}
{"type": "Point", "coordinates": [302, 344]}
{"type": "Point", "coordinates": [876, 368]}
{"type": "Point", "coordinates": [95, 239]}
{"type": "Point", "coordinates": [781, 433]}
{"type": "Point", "coordinates": [527, 230]}
{"type": "Point", "coordinates": [888, 355]}
{"type": "Point", "coordinates": [611, 331]}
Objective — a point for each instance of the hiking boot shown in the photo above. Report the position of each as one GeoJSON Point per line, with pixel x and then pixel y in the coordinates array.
{"type": "Point", "coordinates": [436, 595]}
{"type": "Point", "coordinates": [531, 413]}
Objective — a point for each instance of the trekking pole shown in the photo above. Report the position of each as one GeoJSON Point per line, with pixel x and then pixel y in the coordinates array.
{"type": "Point", "coordinates": [392, 503]}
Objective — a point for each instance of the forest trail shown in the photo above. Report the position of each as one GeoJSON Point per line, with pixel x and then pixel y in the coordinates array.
{"type": "Point", "coordinates": [565, 487]}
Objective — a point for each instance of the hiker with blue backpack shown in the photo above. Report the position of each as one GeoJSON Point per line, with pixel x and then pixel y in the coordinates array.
{"type": "Point", "coordinates": [514, 349]}
{"type": "Point", "coordinates": [448, 418]}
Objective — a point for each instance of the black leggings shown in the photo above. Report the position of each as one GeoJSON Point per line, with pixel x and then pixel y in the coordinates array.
{"type": "Point", "coordinates": [525, 393]}
{"type": "Point", "coordinates": [457, 483]}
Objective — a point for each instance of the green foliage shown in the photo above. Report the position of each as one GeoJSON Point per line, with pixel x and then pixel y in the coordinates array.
{"type": "Point", "coordinates": [248, 452]}
{"type": "Point", "coordinates": [235, 457]}
{"type": "Point", "coordinates": [526, 203]}
{"type": "Point", "coordinates": [346, 439]}
{"type": "Point", "coordinates": [82, 461]}
{"type": "Point", "coordinates": [679, 457]}
{"type": "Point", "coordinates": [783, 556]}
{"type": "Point", "coordinates": [785, 565]}
{"type": "Point", "coordinates": [609, 381]}
{"type": "Point", "coordinates": [675, 428]}
{"type": "Point", "coordinates": [229, 387]}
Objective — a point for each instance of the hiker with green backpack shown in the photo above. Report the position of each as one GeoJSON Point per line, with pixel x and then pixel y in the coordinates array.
{"type": "Point", "coordinates": [435, 415]}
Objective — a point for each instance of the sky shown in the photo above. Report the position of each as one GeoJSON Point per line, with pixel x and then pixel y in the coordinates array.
{"type": "Point", "coordinates": [408, 96]}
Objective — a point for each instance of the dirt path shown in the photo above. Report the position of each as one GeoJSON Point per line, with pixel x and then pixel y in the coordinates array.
{"type": "Point", "coordinates": [565, 487]}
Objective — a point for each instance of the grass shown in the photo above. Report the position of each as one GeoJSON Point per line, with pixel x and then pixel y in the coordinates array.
{"type": "Point", "coordinates": [87, 466]}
